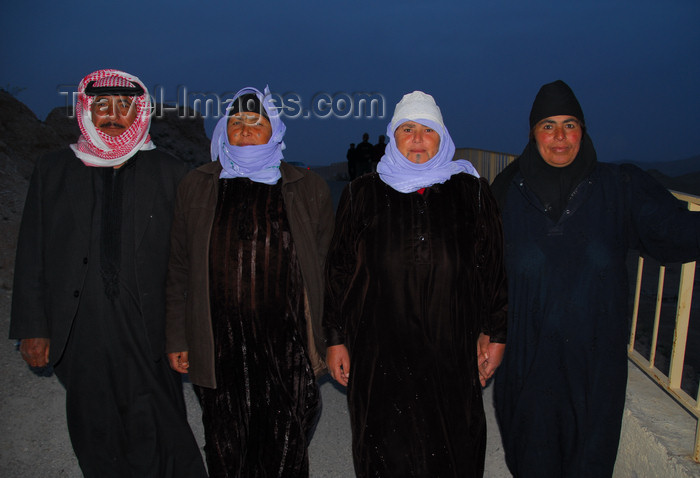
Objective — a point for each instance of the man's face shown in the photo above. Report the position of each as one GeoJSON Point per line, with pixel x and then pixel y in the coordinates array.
{"type": "Point", "coordinates": [248, 129]}
{"type": "Point", "coordinates": [558, 139]}
{"type": "Point", "coordinates": [113, 114]}
{"type": "Point", "coordinates": [417, 142]}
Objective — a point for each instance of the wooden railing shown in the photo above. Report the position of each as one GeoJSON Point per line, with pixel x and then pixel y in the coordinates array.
{"type": "Point", "coordinates": [488, 163]}
{"type": "Point", "coordinates": [670, 382]}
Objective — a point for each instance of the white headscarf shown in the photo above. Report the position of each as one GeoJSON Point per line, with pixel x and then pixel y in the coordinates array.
{"type": "Point", "coordinates": [406, 176]}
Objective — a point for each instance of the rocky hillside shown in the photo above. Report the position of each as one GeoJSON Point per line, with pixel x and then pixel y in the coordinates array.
{"type": "Point", "coordinates": [24, 138]}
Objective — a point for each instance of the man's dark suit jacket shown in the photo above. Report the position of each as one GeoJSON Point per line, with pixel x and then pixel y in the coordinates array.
{"type": "Point", "coordinates": [53, 248]}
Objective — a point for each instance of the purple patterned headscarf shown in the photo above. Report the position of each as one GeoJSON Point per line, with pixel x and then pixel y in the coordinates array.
{"type": "Point", "coordinates": [259, 163]}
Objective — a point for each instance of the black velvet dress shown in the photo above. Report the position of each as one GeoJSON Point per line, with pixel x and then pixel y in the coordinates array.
{"type": "Point", "coordinates": [412, 281]}
{"type": "Point", "coordinates": [258, 418]}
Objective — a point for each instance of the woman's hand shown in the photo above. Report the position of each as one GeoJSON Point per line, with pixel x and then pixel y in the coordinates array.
{"type": "Point", "coordinates": [179, 361]}
{"type": "Point", "coordinates": [489, 356]}
{"type": "Point", "coordinates": [338, 362]}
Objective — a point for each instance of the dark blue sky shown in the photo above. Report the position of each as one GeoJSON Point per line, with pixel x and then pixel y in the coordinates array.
{"type": "Point", "coordinates": [634, 64]}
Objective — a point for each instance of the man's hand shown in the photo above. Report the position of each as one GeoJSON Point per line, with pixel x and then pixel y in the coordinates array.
{"type": "Point", "coordinates": [489, 356]}
{"type": "Point", "coordinates": [338, 361]}
{"type": "Point", "coordinates": [179, 361]}
{"type": "Point", "coordinates": [35, 351]}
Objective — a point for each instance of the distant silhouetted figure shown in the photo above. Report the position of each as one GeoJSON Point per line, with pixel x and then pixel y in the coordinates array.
{"type": "Point", "coordinates": [364, 156]}
{"type": "Point", "coordinates": [352, 161]}
{"type": "Point", "coordinates": [378, 151]}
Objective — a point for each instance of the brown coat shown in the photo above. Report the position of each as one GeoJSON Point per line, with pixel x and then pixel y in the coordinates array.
{"type": "Point", "coordinates": [188, 321]}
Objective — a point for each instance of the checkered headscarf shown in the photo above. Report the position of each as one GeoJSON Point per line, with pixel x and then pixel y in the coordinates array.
{"type": "Point", "coordinates": [95, 148]}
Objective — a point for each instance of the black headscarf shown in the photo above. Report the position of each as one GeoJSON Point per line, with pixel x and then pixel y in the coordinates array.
{"type": "Point", "coordinates": [555, 99]}
{"type": "Point", "coordinates": [553, 186]}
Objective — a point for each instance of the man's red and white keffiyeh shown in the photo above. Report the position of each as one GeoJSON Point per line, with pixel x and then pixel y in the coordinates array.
{"type": "Point", "coordinates": [95, 148]}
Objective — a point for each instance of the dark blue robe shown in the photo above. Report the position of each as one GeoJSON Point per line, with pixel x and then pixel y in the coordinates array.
{"type": "Point", "coordinates": [560, 391]}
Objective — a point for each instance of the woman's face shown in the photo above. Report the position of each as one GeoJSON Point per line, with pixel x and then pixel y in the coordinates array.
{"type": "Point", "coordinates": [248, 129]}
{"type": "Point", "coordinates": [417, 142]}
{"type": "Point", "coordinates": [558, 139]}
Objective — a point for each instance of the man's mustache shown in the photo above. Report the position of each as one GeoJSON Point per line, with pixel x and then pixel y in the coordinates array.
{"type": "Point", "coordinates": [111, 124]}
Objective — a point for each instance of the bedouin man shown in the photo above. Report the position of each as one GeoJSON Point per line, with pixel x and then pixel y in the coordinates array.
{"type": "Point", "coordinates": [89, 286]}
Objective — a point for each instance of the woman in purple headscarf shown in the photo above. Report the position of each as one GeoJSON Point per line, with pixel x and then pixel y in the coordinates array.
{"type": "Point", "coordinates": [245, 296]}
{"type": "Point", "coordinates": [416, 303]}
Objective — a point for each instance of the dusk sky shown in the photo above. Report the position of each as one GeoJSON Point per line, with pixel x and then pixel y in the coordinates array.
{"type": "Point", "coordinates": [634, 64]}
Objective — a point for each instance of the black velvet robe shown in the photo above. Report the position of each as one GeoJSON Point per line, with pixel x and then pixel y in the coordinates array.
{"type": "Point", "coordinates": [412, 279]}
{"type": "Point", "coordinates": [258, 419]}
{"type": "Point", "coordinates": [560, 391]}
